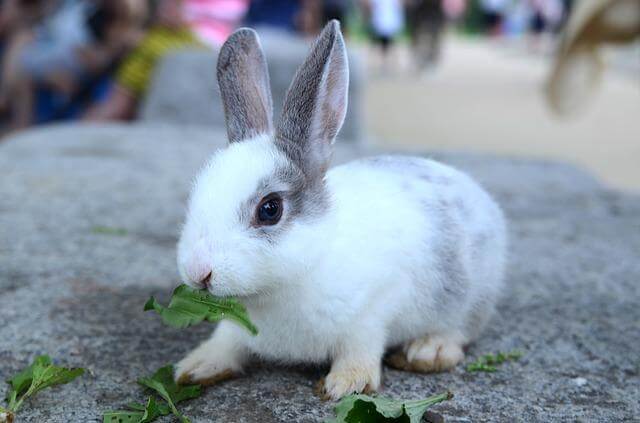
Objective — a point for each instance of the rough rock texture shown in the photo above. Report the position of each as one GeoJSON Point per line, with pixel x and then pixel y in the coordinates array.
{"type": "Point", "coordinates": [174, 98]}
{"type": "Point", "coordinates": [65, 290]}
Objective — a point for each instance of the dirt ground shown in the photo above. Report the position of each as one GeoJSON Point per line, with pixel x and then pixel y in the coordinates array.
{"type": "Point", "coordinates": [488, 97]}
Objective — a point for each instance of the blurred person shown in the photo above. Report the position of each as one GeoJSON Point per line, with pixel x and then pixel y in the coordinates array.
{"type": "Point", "coordinates": [78, 40]}
{"type": "Point", "coordinates": [308, 19]}
{"type": "Point", "coordinates": [517, 18]}
{"type": "Point", "coordinates": [16, 14]}
{"type": "Point", "coordinates": [547, 15]}
{"type": "Point", "coordinates": [115, 26]}
{"type": "Point", "coordinates": [386, 20]}
{"type": "Point", "coordinates": [301, 16]}
{"type": "Point", "coordinates": [425, 22]}
{"type": "Point", "coordinates": [214, 20]}
{"type": "Point", "coordinates": [493, 14]}
{"type": "Point", "coordinates": [282, 14]}
{"type": "Point", "coordinates": [315, 14]}
{"type": "Point", "coordinates": [17, 20]}
{"type": "Point", "coordinates": [169, 31]}
{"type": "Point", "coordinates": [42, 55]}
{"type": "Point", "coordinates": [454, 9]}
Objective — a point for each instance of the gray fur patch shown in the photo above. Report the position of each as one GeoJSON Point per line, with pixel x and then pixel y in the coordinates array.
{"type": "Point", "coordinates": [303, 199]}
{"type": "Point", "coordinates": [479, 315]}
{"type": "Point", "coordinates": [447, 212]}
{"type": "Point", "coordinates": [308, 197]}
{"type": "Point", "coordinates": [244, 85]}
{"type": "Point", "coordinates": [479, 245]}
{"type": "Point", "coordinates": [462, 209]}
{"type": "Point", "coordinates": [449, 259]}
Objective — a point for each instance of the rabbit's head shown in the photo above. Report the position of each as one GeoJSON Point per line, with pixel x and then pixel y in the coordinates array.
{"type": "Point", "coordinates": [250, 221]}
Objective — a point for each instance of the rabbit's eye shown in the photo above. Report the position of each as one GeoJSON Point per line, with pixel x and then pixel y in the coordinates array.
{"type": "Point", "coordinates": [269, 210]}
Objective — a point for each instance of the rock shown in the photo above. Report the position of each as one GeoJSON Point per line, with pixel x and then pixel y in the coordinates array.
{"type": "Point", "coordinates": [579, 381]}
{"type": "Point", "coordinates": [174, 98]}
{"type": "Point", "coordinates": [76, 293]}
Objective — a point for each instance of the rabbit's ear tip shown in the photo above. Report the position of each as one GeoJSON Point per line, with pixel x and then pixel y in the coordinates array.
{"type": "Point", "coordinates": [243, 34]}
{"type": "Point", "coordinates": [332, 27]}
{"type": "Point", "coordinates": [246, 31]}
{"type": "Point", "coordinates": [243, 41]}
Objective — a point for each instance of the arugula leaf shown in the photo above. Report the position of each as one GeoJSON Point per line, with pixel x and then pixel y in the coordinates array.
{"type": "Point", "coordinates": [189, 306]}
{"type": "Point", "coordinates": [478, 366]}
{"type": "Point", "coordinates": [142, 413]}
{"type": "Point", "coordinates": [107, 230]}
{"type": "Point", "coordinates": [153, 410]}
{"type": "Point", "coordinates": [41, 374]}
{"type": "Point", "coordinates": [163, 383]}
{"type": "Point", "coordinates": [122, 416]}
{"type": "Point", "coordinates": [137, 406]}
{"type": "Point", "coordinates": [366, 409]}
{"type": "Point", "coordinates": [20, 383]}
{"type": "Point", "coordinates": [488, 362]}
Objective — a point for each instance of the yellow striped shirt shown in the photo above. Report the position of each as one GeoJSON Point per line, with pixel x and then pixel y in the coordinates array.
{"type": "Point", "coordinates": [135, 73]}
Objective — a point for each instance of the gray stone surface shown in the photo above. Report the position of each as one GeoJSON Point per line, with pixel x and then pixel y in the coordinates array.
{"type": "Point", "coordinates": [174, 98]}
{"type": "Point", "coordinates": [571, 306]}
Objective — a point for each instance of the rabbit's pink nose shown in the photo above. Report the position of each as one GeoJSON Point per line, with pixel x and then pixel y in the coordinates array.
{"type": "Point", "coordinates": [198, 273]}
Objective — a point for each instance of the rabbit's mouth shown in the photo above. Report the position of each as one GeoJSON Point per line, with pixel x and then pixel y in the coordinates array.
{"type": "Point", "coordinates": [203, 284]}
{"type": "Point", "coordinates": [206, 282]}
{"type": "Point", "coordinates": [245, 296]}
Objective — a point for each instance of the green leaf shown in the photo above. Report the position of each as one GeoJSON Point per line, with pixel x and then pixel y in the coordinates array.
{"type": "Point", "coordinates": [41, 374]}
{"type": "Point", "coordinates": [416, 409]}
{"type": "Point", "coordinates": [488, 362]}
{"type": "Point", "coordinates": [366, 409]}
{"type": "Point", "coordinates": [163, 383]}
{"type": "Point", "coordinates": [50, 375]}
{"type": "Point", "coordinates": [189, 306]}
{"type": "Point", "coordinates": [137, 406]}
{"type": "Point", "coordinates": [122, 416]}
{"type": "Point", "coordinates": [139, 413]}
{"type": "Point", "coordinates": [481, 367]}
{"type": "Point", "coordinates": [21, 382]}
{"type": "Point", "coordinates": [153, 410]}
{"type": "Point", "coordinates": [106, 230]}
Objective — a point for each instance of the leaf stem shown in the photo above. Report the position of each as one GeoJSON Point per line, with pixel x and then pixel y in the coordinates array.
{"type": "Point", "coordinates": [432, 400]}
{"type": "Point", "coordinates": [12, 400]}
{"type": "Point", "coordinates": [24, 396]}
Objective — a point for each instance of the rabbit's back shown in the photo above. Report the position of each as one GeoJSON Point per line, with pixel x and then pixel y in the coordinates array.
{"type": "Point", "coordinates": [433, 232]}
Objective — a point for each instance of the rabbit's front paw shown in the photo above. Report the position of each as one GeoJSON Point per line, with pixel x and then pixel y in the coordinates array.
{"type": "Point", "coordinates": [207, 365]}
{"type": "Point", "coordinates": [349, 380]}
{"type": "Point", "coordinates": [428, 354]}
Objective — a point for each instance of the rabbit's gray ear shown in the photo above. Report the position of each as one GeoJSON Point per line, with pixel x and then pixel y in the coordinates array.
{"type": "Point", "coordinates": [244, 84]}
{"type": "Point", "coordinates": [316, 104]}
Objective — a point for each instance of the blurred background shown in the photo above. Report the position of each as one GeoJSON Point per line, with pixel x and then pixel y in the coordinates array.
{"type": "Point", "coordinates": [555, 79]}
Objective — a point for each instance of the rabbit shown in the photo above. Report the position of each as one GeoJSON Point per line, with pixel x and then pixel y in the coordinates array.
{"type": "Point", "coordinates": [336, 265]}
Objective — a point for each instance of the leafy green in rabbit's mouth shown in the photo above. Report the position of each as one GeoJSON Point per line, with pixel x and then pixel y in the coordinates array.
{"type": "Point", "coordinates": [189, 306]}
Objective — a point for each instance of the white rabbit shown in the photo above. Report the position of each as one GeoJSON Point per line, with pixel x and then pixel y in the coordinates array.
{"type": "Point", "coordinates": [335, 265]}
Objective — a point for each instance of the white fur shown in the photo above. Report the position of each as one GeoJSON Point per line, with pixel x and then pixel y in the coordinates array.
{"type": "Point", "coordinates": [212, 237]}
{"type": "Point", "coordinates": [343, 287]}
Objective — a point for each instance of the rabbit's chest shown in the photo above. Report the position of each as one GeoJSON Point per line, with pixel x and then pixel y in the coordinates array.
{"type": "Point", "coordinates": [297, 332]}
